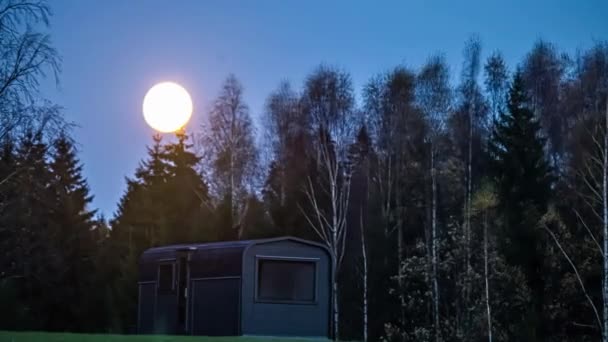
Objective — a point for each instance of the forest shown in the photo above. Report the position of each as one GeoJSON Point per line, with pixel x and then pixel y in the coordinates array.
{"type": "Point", "coordinates": [469, 207]}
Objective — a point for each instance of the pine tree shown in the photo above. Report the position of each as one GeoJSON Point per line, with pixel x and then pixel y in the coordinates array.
{"type": "Point", "coordinates": [137, 225]}
{"type": "Point", "coordinates": [37, 262]}
{"type": "Point", "coordinates": [72, 223]}
{"type": "Point", "coordinates": [13, 315]}
{"type": "Point", "coordinates": [7, 195]}
{"type": "Point", "coordinates": [167, 202]}
{"type": "Point", "coordinates": [139, 216]}
{"type": "Point", "coordinates": [523, 182]}
{"type": "Point", "coordinates": [187, 209]}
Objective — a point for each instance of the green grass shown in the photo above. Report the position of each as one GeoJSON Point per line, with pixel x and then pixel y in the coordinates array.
{"type": "Point", "coordinates": [10, 336]}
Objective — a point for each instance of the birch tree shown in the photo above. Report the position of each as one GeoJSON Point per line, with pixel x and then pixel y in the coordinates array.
{"type": "Point", "coordinates": [496, 82]}
{"type": "Point", "coordinates": [394, 123]}
{"type": "Point", "coordinates": [284, 123]}
{"type": "Point", "coordinates": [434, 96]}
{"type": "Point", "coordinates": [360, 152]}
{"type": "Point", "coordinates": [328, 101]}
{"type": "Point", "coordinates": [365, 277]}
{"type": "Point", "coordinates": [585, 96]}
{"type": "Point", "coordinates": [230, 150]}
{"type": "Point", "coordinates": [543, 71]}
{"type": "Point", "coordinates": [27, 57]}
{"type": "Point", "coordinates": [605, 222]}
{"type": "Point", "coordinates": [468, 132]}
{"type": "Point", "coordinates": [595, 194]}
{"type": "Point", "coordinates": [471, 94]}
{"type": "Point", "coordinates": [483, 202]}
{"type": "Point", "coordinates": [496, 79]}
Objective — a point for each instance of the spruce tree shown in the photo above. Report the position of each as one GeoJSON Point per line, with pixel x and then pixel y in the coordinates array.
{"type": "Point", "coordinates": [37, 263]}
{"type": "Point", "coordinates": [187, 195]}
{"type": "Point", "coordinates": [13, 314]}
{"type": "Point", "coordinates": [523, 182]}
{"type": "Point", "coordinates": [72, 224]}
{"type": "Point", "coordinates": [165, 203]}
{"type": "Point", "coordinates": [138, 221]}
{"type": "Point", "coordinates": [7, 195]}
{"type": "Point", "coordinates": [137, 225]}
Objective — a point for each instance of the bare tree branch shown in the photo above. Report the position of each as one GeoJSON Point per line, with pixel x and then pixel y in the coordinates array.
{"type": "Point", "coordinates": [578, 277]}
{"type": "Point", "coordinates": [599, 248]}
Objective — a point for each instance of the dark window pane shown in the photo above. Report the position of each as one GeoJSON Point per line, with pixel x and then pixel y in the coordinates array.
{"type": "Point", "coordinates": [165, 277]}
{"type": "Point", "coordinates": [283, 280]}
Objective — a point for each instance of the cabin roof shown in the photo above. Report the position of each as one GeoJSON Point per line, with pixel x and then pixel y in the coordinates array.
{"type": "Point", "coordinates": [200, 246]}
{"type": "Point", "coordinates": [215, 259]}
{"type": "Point", "coordinates": [225, 245]}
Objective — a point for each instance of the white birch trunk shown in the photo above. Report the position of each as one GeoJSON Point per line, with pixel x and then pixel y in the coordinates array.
{"type": "Point", "coordinates": [466, 232]}
{"type": "Point", "coordinates": [332, 230]}
{"type": "Point", "coordinates": [434, 243]}
{"type": "Point", "coordinates": [334, 296]}
{"type": "Point", "coordinates": [468, 198]}
{"type": "Point", "coordinates": [605, 224]}
{"type": "Point", "coordinates": [400, 276]}
{"type": "Point", "coordinates": [400, 269]}
{"type": "Point", "coordinates": [578, 276]}
{"type": "Point", "coordinates": [364, 255]}
{"type": "Point", "coordinates": [334, 236]}
{"type": "Point", "coordinates": [231, 143]}
{"type": "Point", "coordinates": [485, 264]}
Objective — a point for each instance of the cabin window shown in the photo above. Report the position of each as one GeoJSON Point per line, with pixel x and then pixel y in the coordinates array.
{"type": "Point", "coordinates": [166, 277]}
{"type": "Point", "coordinates": [286, 280]}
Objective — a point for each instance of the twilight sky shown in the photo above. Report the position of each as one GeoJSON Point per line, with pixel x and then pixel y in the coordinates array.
{"type": "Point", "coordinates": [114, 51]}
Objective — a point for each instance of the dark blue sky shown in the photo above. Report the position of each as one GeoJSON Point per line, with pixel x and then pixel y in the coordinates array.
{"type": "Point", "coordinates": [114, 51]}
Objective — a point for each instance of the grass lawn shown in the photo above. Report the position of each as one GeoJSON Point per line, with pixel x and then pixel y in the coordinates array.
{"type": "Point", "coordinates": [10, 336]}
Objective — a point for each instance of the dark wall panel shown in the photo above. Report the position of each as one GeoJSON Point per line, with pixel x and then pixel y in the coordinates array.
{"type": "Point", "coordinates": [215, 306]}
{"type": "Point", "coordinates": [300, 317]}
{"type": "Point", "coordinates": [145, 324]}
{"type": "Point", "coordinates": [165, 320]}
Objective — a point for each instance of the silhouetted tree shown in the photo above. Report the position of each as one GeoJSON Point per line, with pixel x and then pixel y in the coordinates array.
{"type": "Point", "coordinates": [27, 56]}
{"type": "Point", "coordinates": [232, 154]}
{"type": "Point", "coordinates": [434, 97]}
{"type": "Point", "coordinates": [523, 184]}
{"type": "Point", "coordinates": [329, 103]}
{"type": "Point", "coordinates": [71, 233]}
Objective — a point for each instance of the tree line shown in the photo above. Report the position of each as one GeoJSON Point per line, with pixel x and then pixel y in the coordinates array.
{"type": "Point", "coordinates": [453, 211]}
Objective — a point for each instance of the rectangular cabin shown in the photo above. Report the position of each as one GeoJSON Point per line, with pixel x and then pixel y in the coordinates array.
{"type": "Point", "coordinates": [271, 287]}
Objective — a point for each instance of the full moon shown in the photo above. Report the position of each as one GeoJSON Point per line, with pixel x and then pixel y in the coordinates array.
{"type": "Point", "coordinates": [167, 107]}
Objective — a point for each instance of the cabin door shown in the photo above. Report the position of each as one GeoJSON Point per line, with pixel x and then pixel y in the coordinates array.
{"type": "Point", "coordinates": [182, 294]}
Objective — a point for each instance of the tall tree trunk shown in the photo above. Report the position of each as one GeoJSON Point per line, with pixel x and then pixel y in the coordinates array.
{"type": "Point", "coordinates": [605, 222]}
{"type": "Point", "coordinates": [233, 113]}
{"type": "Point", "coordinates": [468, 198]}
{"type": "Point", "coordinates": [434, 244]}
{"type": "Point", "coordinates": [485, 264]}
{"type": "Point", "coordinates": [334, 235]}
{"type": "Point", "coordinates": [334, 296]}
{"type": "Point", "coordinates": [232, 199]}
{"type": "Point", "coordinates": [364, 255]}
{"type": "Point", "coordinates": [464, 323]}
{"type": "Point", "coordinates": [387, 206]}
{"type": "Point", "coordinates": [400, 276]}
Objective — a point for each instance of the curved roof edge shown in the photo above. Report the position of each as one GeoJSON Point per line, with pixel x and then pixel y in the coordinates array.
{"type": "Point", "coordinates": [231, 244]}
{"type": "Point", "coordinates": [290, 238]}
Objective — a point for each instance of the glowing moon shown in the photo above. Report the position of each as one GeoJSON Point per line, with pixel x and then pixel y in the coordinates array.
{"type": "Point", "coordinates": [167, 107]}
